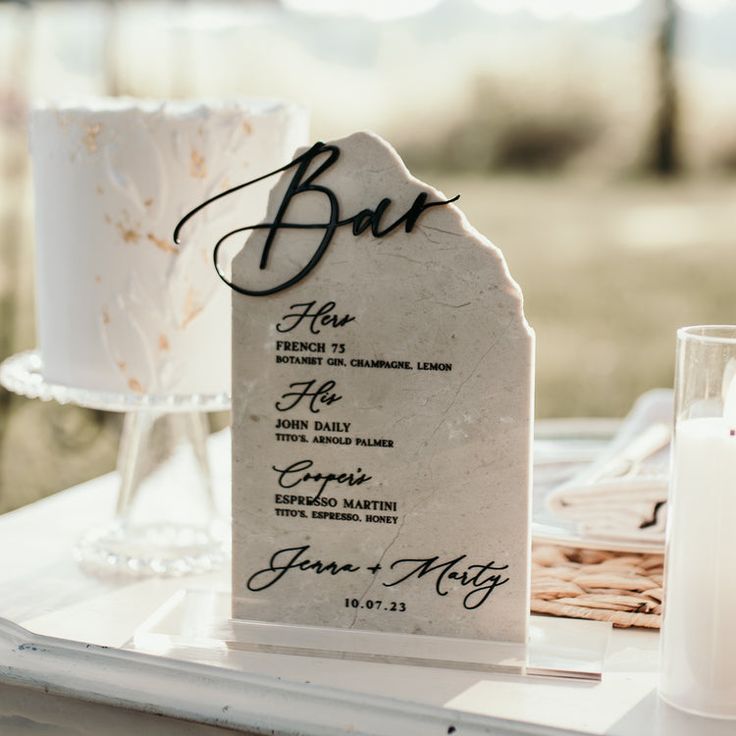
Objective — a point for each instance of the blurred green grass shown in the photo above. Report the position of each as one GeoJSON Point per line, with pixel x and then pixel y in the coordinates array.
{"type": "Point", "coordinates": [609, 271]}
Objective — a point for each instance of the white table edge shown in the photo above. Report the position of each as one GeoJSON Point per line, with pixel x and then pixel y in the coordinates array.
{"type": "Point", "coordinates": [222, 697]}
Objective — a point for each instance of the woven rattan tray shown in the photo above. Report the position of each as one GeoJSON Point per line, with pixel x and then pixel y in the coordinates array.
{"type": "Point", "coordinates": [623, 588]}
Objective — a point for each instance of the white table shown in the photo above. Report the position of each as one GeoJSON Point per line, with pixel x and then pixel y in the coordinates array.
{"type": "Point", "coordinates": [42, 589]}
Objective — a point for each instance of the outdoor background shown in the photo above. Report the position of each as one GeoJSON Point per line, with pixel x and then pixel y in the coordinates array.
{"type": "Point", "coordinates": [594, 141]}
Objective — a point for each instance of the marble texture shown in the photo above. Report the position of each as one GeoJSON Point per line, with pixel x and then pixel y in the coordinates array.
{"type": "Point", "coordinates": [120, 307]}
{"type": "Point", "coordinates": [446, 451]}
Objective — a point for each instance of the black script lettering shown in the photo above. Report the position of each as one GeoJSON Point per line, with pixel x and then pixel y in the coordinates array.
{"type": "Point", "coordinates": [305, 390]}
{"type": "Point", "coordinates": [307, 169]}
{"type": "Point", "coordinates": [482, 578]}
{"type": "Point", "coordinates": [316, 318]}
{"type": "Point", "coordinates": [295, 474]}
{"type": "Point", "coordinates": [292, 558]}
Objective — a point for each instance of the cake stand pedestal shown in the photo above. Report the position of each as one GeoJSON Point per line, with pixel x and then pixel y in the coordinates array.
{"type": "Point", "coordinates": [166, 521]}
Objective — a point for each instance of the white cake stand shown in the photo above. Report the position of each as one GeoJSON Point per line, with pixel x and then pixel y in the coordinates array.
{"type": "Point", "coordinates": [166, 521]}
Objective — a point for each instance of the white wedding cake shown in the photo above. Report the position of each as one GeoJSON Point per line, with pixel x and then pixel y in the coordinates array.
{"type": "Point", "coordinates": [121, 308]}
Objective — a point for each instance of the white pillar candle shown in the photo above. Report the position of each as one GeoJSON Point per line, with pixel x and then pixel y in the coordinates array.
{"type": "Point", "coordinates": [698, 668]}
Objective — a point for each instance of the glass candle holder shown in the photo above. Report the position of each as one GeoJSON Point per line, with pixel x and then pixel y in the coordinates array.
{"type": "Point", "coordinates": [698, 643]}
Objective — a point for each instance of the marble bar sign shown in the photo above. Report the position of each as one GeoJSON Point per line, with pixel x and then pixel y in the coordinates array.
{"type": "Point", "coordinates": [382, 407]}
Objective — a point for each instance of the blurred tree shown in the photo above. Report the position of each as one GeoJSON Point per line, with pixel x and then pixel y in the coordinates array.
{"type": "Point", "coordinates": [665, 154]}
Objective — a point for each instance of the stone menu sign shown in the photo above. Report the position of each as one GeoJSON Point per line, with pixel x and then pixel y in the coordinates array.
{"type": "Point", "coordinates": [382, 408]}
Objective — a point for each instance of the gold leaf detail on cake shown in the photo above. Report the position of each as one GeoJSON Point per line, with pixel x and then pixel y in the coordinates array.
{"type": "Point", "coordinates": [163, 342]}
{"type": "Point", "coordinates": [247, 127]}
{"type": "Point", "coordinates": [197, 165]}
{"type": "Point", "coordinates": [127, 233]}
{"type": "Point", "coordinates": [135, 385]}
{"type": "Point", "coordinates": [148, 202]}
{"type": "Point", "coordinates": [164, 245]}
{"type": "Point", "coordinates": [122, 365]}
{"type": "Point", "coordinates": [90, 136]}
{"type": "Point", "coordinates": [105, 317]}
{"type": "Point", "coordinates": [192, 307]}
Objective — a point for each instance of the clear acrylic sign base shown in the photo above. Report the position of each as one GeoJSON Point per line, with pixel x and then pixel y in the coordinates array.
{"type": "Point", "coordinates": [197, 625]}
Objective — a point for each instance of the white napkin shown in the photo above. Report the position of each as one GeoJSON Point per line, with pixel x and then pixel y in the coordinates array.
{"type": "Point", "coordinates": [623, 494]}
